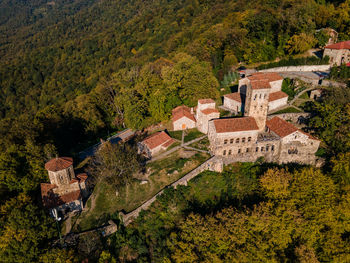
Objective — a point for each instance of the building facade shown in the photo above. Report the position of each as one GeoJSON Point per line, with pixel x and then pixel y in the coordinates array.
{"type": "Point", "coordinates": [338, 53]}
{"type": "Point", "coordinates": [183, 118]}
{"type": "Point", "coordinates": [155, 144]}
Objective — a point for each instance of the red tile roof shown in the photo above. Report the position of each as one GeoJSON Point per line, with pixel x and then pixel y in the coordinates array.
{"type": "Point", "coordinates": [182, 111]}
{"type": "Point", "coordinates": [206, 101]}
{"type": "Point", "coordinates": [82, 177]}
{"type": "Point", "coordinates": [260, 84]}
{"type": "Point", "coordinates": [156, 140]}
{"type": "Point", "coordinates": [51, 200]}
{"type": "Point", "coordinates": [340, 45]}
{"type": "Point", "coordinates": [58, 163]}
{"type": "Point", "coordinates": [168, 143]}
{"type": "Point", "coordinates": [210, 111]}
{"type": "Point", "coordinates": [234, 96]}
{"type": "Point", "coordinates": [277, 95]}
{"type": "Point", "coordinates": [269, 76]}
{"type": "Point", "coordinates": [235, 124]}
{"type": "Point", "coordinates": [283, 128]}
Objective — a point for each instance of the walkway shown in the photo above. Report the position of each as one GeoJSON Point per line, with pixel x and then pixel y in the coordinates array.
{"type": "Point", "coordinates": [164, 154]}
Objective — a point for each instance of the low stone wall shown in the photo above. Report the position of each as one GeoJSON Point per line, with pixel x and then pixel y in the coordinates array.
{"type": "Point", "coordinates": [298, 68]}
{"type": "Point", "coordinates": [293, 117]}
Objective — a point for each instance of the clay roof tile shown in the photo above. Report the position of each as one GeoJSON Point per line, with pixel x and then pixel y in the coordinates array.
{"type": "Point", "coordinates": [277, 95]}
{"type": "Point", "coordinates": [234, 96]}
{"type": "Point", "coordinates": [340, 45]}
{"type": "Point", "coordinates": [156, 140]}
{"type": "Point", "coordinates": [182, 111]}
{"type": "Point", "coordinates": [58, 163]}
{"type": "Point", "coordinates": [206, 101]}
{"type": "Point", "coordinates": [235, 124]}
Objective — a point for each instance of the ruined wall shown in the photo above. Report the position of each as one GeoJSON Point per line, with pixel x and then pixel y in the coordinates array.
{"type": "Point", "coordinates": [337, 56]}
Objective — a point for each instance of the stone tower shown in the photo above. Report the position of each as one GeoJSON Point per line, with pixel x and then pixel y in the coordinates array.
{"type": "Point", "coordinates": [60, 170]}
{"type": "Point", "coordinates": [257, 101]}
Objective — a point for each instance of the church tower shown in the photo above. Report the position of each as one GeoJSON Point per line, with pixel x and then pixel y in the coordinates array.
{"type": "Point", "coordinates": [60, 170]}
{"type": "Point", "coordinates": [257, 101]}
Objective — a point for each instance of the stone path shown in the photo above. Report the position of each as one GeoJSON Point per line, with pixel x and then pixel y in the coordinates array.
{"type": "Point", "coordinates": [164, 154]}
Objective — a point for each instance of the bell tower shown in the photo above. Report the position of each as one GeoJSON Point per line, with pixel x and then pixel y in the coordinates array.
{"type": "Point", "coordinates": [257, 101]}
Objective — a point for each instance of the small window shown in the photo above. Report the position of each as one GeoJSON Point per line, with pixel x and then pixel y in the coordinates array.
{"type": "Point", "coordinates": [261, 107]}
{"type": "Point", "coordinates": [225, 141]}
{"type": "Point", "coordinates": [257, 149]}
{"type": "Point", "coordinates": [243, 140]}
{"type": "Point", "coordinates": [224, 153]}
{"type": "Point", "coordinates": [229, 152]}
{"type": "Point", "coordinates": [239, 150]}
{"type": "Point", "coordinates": [260, 96]}
{"type": "Point", "coordinates": [262, 149]}
{"type": "Point", "coordinates": [231, 141]}
{"type": "Point", "coordinates": [265, 96]}
{"type": "Point", "coordinates": [312, 143]}
{"type": "Point", "coordinates": [237, 140]}
{"type": "Point", "coordinates": [247, 150]}
{"type": "Point", "coordinates": [249, 139]}
{"type": "Point", "coordinates": [272, 147]}
{"type": "Point", "coordinates": [267, 148]}
{"type": "Point", "coordinates": [255, 97]}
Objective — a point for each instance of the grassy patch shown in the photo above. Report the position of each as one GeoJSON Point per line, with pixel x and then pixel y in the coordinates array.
{"type": "Point", "coordinates": [159, 174]}
{"type": "Point", "coordinates": [202, 144]}
{"type": "Point", "coordinates": [304, 96]}
{"type": "Point", "coordinates": [288, 110]}
{"type": "Point", "coordinates": [189, 134]}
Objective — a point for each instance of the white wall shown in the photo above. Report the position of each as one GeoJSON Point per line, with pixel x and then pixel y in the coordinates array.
{"type": "Point", "coordinates": [232, 105]}
{"type": "Point", "coordinates": [299, 68]}
{"type": "Point", "coordinates": [276, 86]}
{"type": "Point", "coordinates": [277, 103]}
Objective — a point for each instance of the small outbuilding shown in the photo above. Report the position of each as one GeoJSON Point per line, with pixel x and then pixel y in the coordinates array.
{"type": "Point", "coordinates": [154, 144]}
{"type": "Point", "coordinates": [183, 118]}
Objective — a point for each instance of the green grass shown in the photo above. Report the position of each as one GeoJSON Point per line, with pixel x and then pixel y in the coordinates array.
{"type": "Point", "coordinates": [288, 110]}
{"type": "Point", "coordinates": [129, 198]}
{"type": "Point", "coordinates": [189, 135]}
{"type": "Point", "coordinates": [202, 144]}
{"type": "Point", "coordinates": [304, 96]}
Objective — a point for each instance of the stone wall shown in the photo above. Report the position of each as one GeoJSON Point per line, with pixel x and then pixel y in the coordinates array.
{"type": "Point", "coordinates": [298, 68]}
{"type": "Point", "coordinates": [278, 103]}
{"type": "Point", "coordinates": [233, 105]}
{"type": "Point", "coordinates": [337, 56]}
{"type": "Point", "coordinates": [62, 177]}
{"type": "Point", "coordinates": [183, 124]}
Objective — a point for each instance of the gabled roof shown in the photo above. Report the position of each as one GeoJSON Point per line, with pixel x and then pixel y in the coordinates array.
{"type": "Point", "coordinates": [209, 111]}
{"type": "Point", "coordinates": [235, 124]}
{"type": "Point", "coordinates": [51, 200]}
{"type": "Point", "coordinates": [277, 95]}
{"type": "Point", "coordinates": [234, 96]}
{"type": "Point", "coordinates": [156, 140]}
{"type": "Point", "coordinates": [283, 128]}
{"type": "Point", "coordinates": [182, 111]}
{"type": "Point", "coordinates": [260, 84]}
{"type": "Point", "coordinates": [267, 76]}
{"type": "Point", "coordinates": [340, 45]}
{"type": "Point", "coordinates": [206, 101]}
{"type": "Point", "coordinates": [82, 177]}
{"type": "Point", "coordinates": [58, 163]}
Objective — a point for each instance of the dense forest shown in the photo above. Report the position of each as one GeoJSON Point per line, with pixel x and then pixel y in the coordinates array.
{"type": "Point", "coordinates": [71, 71]}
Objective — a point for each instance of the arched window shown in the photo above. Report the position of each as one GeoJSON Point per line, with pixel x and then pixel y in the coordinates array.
{"type": "Point", "coordinates": [265, 96]}
{"type": "Point", "coordinates": [239, 150]}
{"type": "Point", "coordinates": [224, 153]}
{"type": "Point", "coordinates": [255, 96]}
{"type": "Point", "coordinates": [243, 140]}
{"type": "Point", "coordinates": [260, 96]}
{"type": "Point", "coordinates": [247, 150]}
{"type": "Point", "coordinates": [272, 147]}
{"type": "Point", "coordinates": [249, 139]}
{"type": "Point", "coordinates": [229, 152]}
{"type": "Point", "coordinates": [257, 149]}
{"type": "Point", "coordinates": [237, 140]}
{"type": "Point", "coordinates": [225, 141]}
{"type": "Point", "coordinates": [267, 148]}
{"type": "Point", "coordinates": [262, 149]}
{"type": "Point", "coordinates": [231, 141]}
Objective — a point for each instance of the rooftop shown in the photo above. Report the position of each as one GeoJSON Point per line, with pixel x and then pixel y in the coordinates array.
{"type": "Point", "coordinates": [210, 111]}
{"type": "Point", "coordinates": [235, 124]}
{"type": "Point", "coordinates": [277, 95]}
{"type": "Point", "coordinates": [51, 200]}
{"type": "Point", "coordinates": [260, 84]}
{"type": "Point", "coordinates": [267, 76]}
{"type": "Point", "coordinates": [182, 111]}
{"type": "Point", "coordinates": [340, 45]}
{"type": "Point", "coordinates": [156, 139]}
{"type": "Point", "coordinates": [58, 163]}
{"type": "Point", "coordinates": [206, 101]}
{"type": "Point", "coordinates": [234, 96]}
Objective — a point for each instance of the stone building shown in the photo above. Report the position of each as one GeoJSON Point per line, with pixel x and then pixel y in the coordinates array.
{"type": "Point", "coordinates": [254, 89]}
{"type": "Point", "coordinates": [183, 118]}
{"type": "Point", "coordinates": [247, 138]}
{"type": "Point", "coordinates": [154, 144]}
{"type": "Point", "coordinates": [65, 190]}
{"type": "Point", "coordinates": [338, 53]}
{"type": "Point", "coordinates": [206, 111]}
